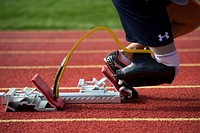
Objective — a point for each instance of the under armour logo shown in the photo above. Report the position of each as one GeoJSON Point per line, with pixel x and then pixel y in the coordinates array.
{"type": "Point", "coordinates": [164, 36]}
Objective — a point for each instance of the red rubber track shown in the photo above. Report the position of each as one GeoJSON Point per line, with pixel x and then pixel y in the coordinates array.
{"type": "Point", "coordinates": [165, 108]}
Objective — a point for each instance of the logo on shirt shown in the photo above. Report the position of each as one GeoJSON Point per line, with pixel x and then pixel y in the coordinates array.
{"type": "Point", "coordinates": [161, 37]}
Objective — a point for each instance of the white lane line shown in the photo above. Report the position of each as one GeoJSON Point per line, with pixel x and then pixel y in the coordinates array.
{"type": "Point", "coordinates": [99, 120]}
{"type": "Point", "coordinates": [73, 40]}
{"type": "Point", "coordinates": [79, 66]}
{"type": "Point", "coordinates": [21, 52]}
{"type": "Point", "coordinates": [110, 87]}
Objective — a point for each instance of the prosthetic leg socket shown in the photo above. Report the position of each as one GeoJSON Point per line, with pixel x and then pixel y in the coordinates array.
{"type": "Point", "coordinates": [145, 71]}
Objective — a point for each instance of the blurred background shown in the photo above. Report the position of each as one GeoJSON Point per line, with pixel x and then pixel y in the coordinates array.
{"type": "Point", "coordinates": [57, 15]}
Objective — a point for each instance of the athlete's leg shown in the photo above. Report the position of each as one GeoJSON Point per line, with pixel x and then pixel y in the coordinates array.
{"type": "Point", "coordinates": [147, 24]}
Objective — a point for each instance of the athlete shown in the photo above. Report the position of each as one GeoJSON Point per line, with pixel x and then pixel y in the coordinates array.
{"type": "Point", "coordinates": [151, 24]}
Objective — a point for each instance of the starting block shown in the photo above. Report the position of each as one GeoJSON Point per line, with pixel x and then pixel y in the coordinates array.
{"type": "Point", "coordinates": [41, 97]}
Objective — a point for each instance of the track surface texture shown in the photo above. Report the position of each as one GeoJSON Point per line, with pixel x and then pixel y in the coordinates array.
{"type": "Point", "coordinates": [166, 108]}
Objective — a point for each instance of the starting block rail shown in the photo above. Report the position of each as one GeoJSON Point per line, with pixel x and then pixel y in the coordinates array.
{"type": "Point", "coordinates": [41, 98]}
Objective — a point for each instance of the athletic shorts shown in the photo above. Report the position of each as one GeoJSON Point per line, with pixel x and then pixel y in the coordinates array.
{"type": "Point", "coordinates": [145, 21]}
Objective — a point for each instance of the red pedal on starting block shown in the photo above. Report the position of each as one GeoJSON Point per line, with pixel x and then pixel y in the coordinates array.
{"type": "Point", "coordinates": [112, 81]}
{"type": "Point", "coordinates": [47, 92]}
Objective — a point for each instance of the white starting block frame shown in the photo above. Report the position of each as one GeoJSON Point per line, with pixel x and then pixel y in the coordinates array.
{"type": "Point", "coordinates": [90, 92]}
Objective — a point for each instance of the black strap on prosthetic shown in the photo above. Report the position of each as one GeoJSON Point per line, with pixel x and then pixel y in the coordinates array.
{"type": "Point", "coordinates": [145, 71]}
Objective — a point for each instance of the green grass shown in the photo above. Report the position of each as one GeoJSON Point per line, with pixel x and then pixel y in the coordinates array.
{"type": "Point", "coordinates": [57, 14]}
{"type": "Point", "coordinates": [61, 14]}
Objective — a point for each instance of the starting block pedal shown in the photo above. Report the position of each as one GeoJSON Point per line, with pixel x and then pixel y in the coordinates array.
{"type": "Point", "coordinates": [47, 92]}
{"type": "Point", "coordinates": [114, 82]}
